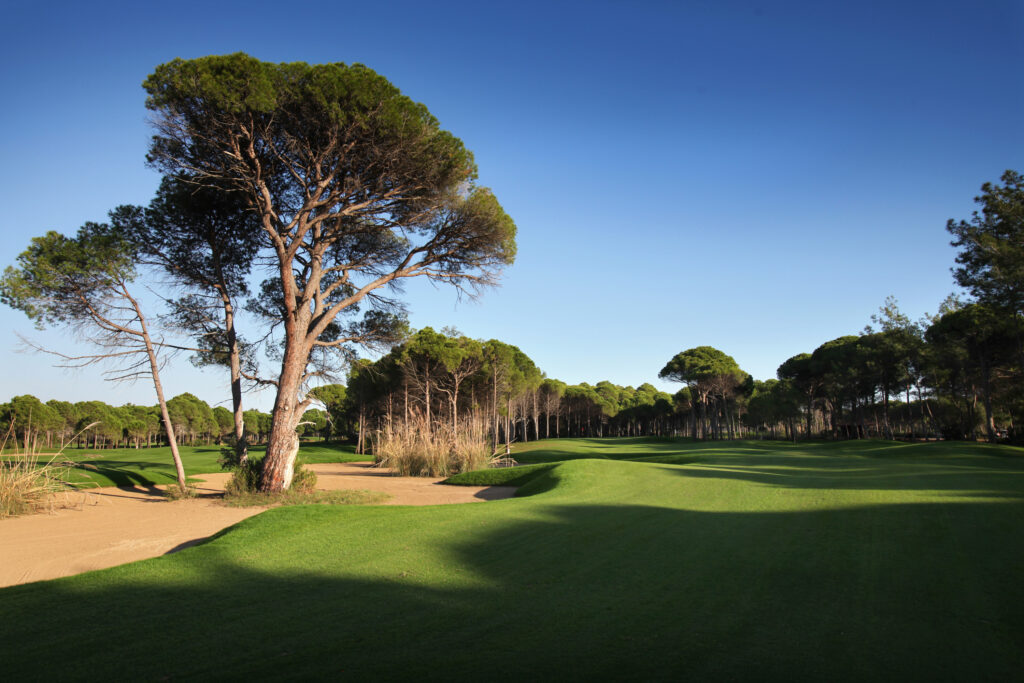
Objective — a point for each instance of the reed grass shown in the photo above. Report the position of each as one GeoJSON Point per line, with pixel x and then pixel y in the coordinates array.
{"type": "Point", "coordinates": [28, 482]}
{"type": "Point", "coordinates": [421, 449]}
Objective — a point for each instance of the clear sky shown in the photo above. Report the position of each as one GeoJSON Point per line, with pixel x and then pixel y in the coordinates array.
{"type": "Point", "coordinates": [756, 177]}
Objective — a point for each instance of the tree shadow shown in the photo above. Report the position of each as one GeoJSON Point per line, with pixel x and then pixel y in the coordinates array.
{"type": "Point", "coordinates": [551, 591]}
{"type": "Point", "coordinates": [127, 474]}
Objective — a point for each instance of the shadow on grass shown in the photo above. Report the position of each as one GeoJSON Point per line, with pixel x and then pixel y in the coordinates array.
{"type": "Point", "coordinates": [981, 470]}
{"type": "Point", "coordinates": [512, 591]}
{"type": "Point", "coordinates": [645, 448]}
{"type": "Point", "coordinates": [619, 448]}
{"type": "Point", "coordinates": [969, 475]}
{"type": "Point", "coordinates": [127, 473]}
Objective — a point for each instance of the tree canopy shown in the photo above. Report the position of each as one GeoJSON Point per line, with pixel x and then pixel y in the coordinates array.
{"type": "Point", "coordinates": [991, 243]}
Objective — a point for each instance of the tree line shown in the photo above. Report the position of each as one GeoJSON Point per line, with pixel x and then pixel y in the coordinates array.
{"type": "Point", "coordinates": [437, 378]}
{"type": "Point", "coordinates": [955, 375]}
{"type": "Point", "coordinates": [37, 426]}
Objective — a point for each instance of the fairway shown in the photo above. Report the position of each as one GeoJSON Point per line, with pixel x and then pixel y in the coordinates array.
{"type": "Point", "coordinates": [621, 559]}
{"type": "Point", "coordinates": [152, 466]}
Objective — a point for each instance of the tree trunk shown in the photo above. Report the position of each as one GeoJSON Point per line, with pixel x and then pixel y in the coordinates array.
{"type": "Point", "coordinates": [536, 418]}
{"type": "Point", "coordinates": [179, 469]}
{"type": "Point", "coordinates": [494, 408]}
{"type": "Point", "coordinates": [427, 395]}
{"type": "Point", "coordinates": [283, 441]}
{"type": "Point", "coordinates": [986, 398]}
{"type": "Point", "coordinates": [455, 411]}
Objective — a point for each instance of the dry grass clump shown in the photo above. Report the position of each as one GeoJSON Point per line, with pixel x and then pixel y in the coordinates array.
{"type": "Point", "coordinates": [420, 449]}
{"type": "Point", "coordinates": [27, 482]}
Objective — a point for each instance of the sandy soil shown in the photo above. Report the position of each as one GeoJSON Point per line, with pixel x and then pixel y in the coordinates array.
{"type": "Point", "coordinates": [105, 527]}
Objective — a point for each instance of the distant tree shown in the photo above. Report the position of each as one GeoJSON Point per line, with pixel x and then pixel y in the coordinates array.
{"type": "Point", "coordinates": [101, 419]}
{"type": "Point", "coordinates": [143, 423]}
{"type": "Point", "coordinates": [499, 364]}
{"type": "Point", "coordinates": [334, 399]}
{"type": "Point", "coordinates": [365, 383]}
{"type": "Point", "coordinates": [253, 423]}
{"type": "Point", "coordinates": [773, 402]}
{"type": "Point", "coordinates": [83, 282]}
{"type": "Point", "coordinates": [708, 373]}
{"type": "Point", "coordinates": [31, 417]}
{"type": "Point", "coordinates": [524, 379]}
{"type": "Point", "coordinates": [682, 406]}
{"type": "Point", "coordinates": [226, 422]}
{"type": "Point", "coordinates": [316, 422]}
{"type": "Point", "coordinates": [192, 415]}
{"type": "Point", "coordinates": [835, 367]}
{"type": "Point", "coordinates": [972, 345]}
{"type": "Point", "coordinates": [67, 413]}
{"type": "Point", "coordinates": [460, 358]}
{"type": "Point", "coordinates": [891, 356]}
{"type": "Point", "coordinates": [551, 392]}
{"type": "Point", "coordinates": [798, 371]}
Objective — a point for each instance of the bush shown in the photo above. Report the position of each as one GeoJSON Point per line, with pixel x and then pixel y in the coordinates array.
{"type": "Point", "coordinates": [303, 480]}
{"type": "Point", "coordinates": [231, 452]}
{"type": "Point", "coordinates": [246, 478]}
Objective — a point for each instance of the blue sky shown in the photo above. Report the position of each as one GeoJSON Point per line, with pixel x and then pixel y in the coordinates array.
{"type": "Point", "coordinates": [752, 176]}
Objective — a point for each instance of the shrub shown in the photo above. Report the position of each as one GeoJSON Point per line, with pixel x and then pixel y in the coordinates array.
{"type": "Point", "coordinates": [303, 480]}
{"type": "Point", "coordinates": [245, 478]}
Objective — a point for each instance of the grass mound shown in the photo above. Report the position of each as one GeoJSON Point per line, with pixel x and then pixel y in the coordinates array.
{"type": "Point", "coordinates": [503, 476]}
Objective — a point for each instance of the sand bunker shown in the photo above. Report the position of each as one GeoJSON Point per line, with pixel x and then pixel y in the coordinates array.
{"type": "Point", "coordinates": [110, 526]}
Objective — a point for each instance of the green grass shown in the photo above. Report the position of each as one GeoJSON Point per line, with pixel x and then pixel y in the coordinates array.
{"type": "Point", "coordinates": [150, 466]}
{"type": "Point", "coordinates": [650, 560]}
{"type": "Point", "coordinates": [291, 497]}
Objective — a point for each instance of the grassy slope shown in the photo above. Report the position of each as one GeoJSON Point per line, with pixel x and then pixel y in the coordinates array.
{"type": "Point", "coordinates": [746, 560]}
{"type": "Point", "coordinates": [149, 466]}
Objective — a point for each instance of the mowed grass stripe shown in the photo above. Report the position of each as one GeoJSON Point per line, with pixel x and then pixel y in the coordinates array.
{"type": "Point", "coordinates": [744, 562]}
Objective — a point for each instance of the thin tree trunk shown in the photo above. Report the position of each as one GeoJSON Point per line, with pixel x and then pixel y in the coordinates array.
{"type": "Point", "coordinates": [154, 367]}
